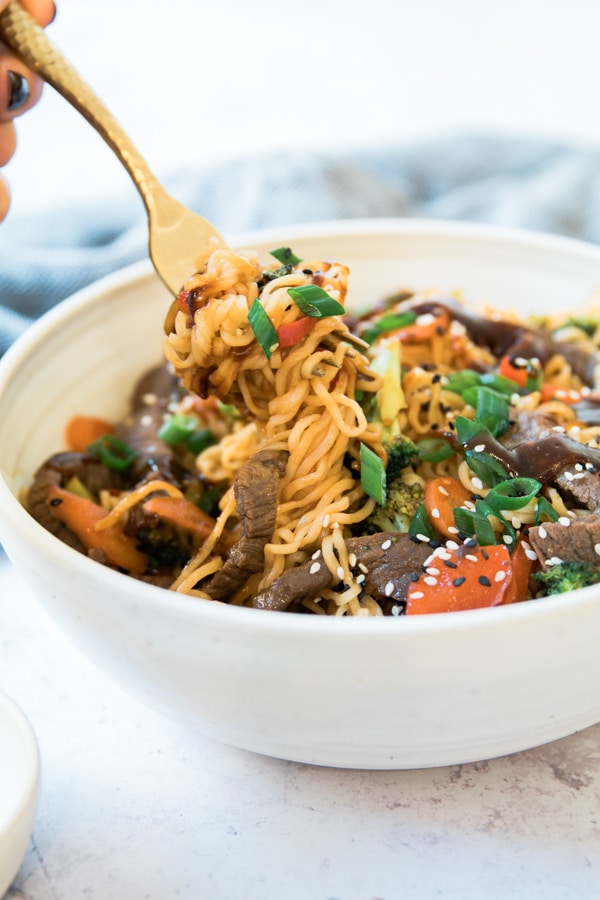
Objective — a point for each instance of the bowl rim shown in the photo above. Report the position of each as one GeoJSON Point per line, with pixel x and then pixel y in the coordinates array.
{"type": "Point", "coordinates": [14, 515]}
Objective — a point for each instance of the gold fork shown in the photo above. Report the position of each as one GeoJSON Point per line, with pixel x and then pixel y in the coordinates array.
{"type": "Point", "coordinates": [177, 236]}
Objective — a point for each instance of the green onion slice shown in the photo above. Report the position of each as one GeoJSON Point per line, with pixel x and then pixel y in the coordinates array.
{"type": "Point", "coordinates": [285, 256]}
{"type": "Point", "coordinates": [514, 493]}
{"type": "Point", "coordinates": [176, 429]}
{"type": "Point", "coordinates": [486, 467]}
{"type": "Point", "coordinates": [263, 328]}
{"type": "Point", "coordinates": [421, 525]}
{"type": "Point", "coordinates": [313, 301]}
{"type": "Point", "coordinates": [200, 439]}
{"type": "Point", "coordinates": [372, 474]}
{"type": "Point", "coordinates": [112, 452]}
{"type": "Point", "coordinates": [474, 522]}
{"type": "Point", "coordinates": [434, 450]}
{"type": "Point", "coordinates": [492, 408]}
{"type": "Point", "coordinates": [545, 508]}
{"type": "Point", "coordinates": [389, 322]}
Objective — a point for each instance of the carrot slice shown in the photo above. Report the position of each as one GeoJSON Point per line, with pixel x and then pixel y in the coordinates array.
{"type": "Point", "coordinates": [442, 495]}
{"type": "Point", "coordinates": [81, 431]}
{"type": "Point", "coordinates": [424, 328]}
{"type": "Point", "coordinates": [521, 564]}
{"type": "Point", "coordinates": [80, 516]}
{"type": "Point", "coordinates": [181, 513]}
{"type": "Point", "coordinates": [465, 579]}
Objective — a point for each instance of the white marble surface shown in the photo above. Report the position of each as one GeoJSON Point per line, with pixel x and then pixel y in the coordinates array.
{"type": "Point", "coordinates": [132, 806]}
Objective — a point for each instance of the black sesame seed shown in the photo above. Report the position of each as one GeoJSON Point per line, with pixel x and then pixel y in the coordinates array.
{"type": "Point", "coordinates": [414, 576]}
{"type": "Point", "coordinates": [458, 581]}
{"type": "Point", "coordinates": [436, 378]}
{"type": "Point", "coordinates": [485, 581]}
{"type": "Point", "coordinates": [56, 501]}
{"type": "Point", "coordinates": [450, 564]}
{"type": "Point", "coordinates": [484, 553]}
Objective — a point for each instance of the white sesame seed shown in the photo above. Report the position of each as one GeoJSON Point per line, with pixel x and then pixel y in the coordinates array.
{"type": "Point", "coordinates": [479, 448]}
{"type": "Point", "coordinates": [431, 570]}
{"type": "Point", "coordinates": [435, 513]}
{"type": "Point", "coordinates": [515, 522]}
{"type": "Point", "coordinates": [597, 549]}
{"type": "Point", "coordinates": [395, 610]}
{"type": "Point", "coordinates": [569, 476]}
{"type": "Point", "coordinates": [360, 579]}
{"type": "Point", "coordinates": [386, 545]}
{"type": "Point", "coordinates": [542, 532]}
{"type": "Point", "coordinates": [554, 561]}
{"type": "Point", "coordinates": [452, 529]}
{"type": "Point", "coordinates": [514, 399]}
{"type": "Point", "coordinates": [468, 504]}
{"type": "Point", "coordinates": [443, 490]}
{"type": "Point", "coordinates": [472, 557]}
{"type": "Point", "coordinates": [326, 521]}
{"type": "Point", "coordinates": [316, 554]}
{"type": "Point", "coordinates": [149, 399]}
{"type": "Point", "coordinates": [451, 545]}
{"type": "Point", "coordinates": [340, 572]}
{"type": "Point", "coordinates": [578, 475]}
{"type": "Point", "coordinates": [507, 538]}
{"type": "Point", "coordinates": [425, 319]}
{"type": "Point", "coordinates": [430, 580]}
{"type": "Point", "coordinates": [564, 520]}
{"type": "Point", "coordinates": [315, 568]}
{"type": "Point", "coordinates": [389, 589]}
{"type": "Point", "coordinates": [363, 568]}
{"type": "Point", "coordinates": [417, 595]}
{"type": "Point", "coordinates": [558, 428]}
{"type": "Point", "coordinates": [352, 559]}
{"type": "Point", "coordinates": [423, 537]}
{"type": "Point", "coordinates": [145, 421]}
{"type": "Point", "coordinates": [579, 467]}
{"type": "Point", "coordinates": [529, 553]}
{"type": "Point", "coordinates": [477, 483]}
{"type": "Point", "coordinates": [500, 576]}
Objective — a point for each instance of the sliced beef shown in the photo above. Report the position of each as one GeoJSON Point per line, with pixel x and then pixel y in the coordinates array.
{"type": "Point", "coordinates": [387, 572]}
{"type": "Point", "coordinates": [256, 490]}
{"type": "Point", "coordinates": [568, 543]}
{"type": "Point", "coordinates": [139, 429]}
{"type": "Point", "coordinates": [583, 486]}
{"type": "Point", "coordinates": [528, 426]}
{"type": "Point", "coordinates": [58, 471]}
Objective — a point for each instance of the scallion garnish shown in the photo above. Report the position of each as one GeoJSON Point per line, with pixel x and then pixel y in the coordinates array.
{"type": "Point", "coordinates": [545, 508]}
{"type": "Point", "coordinates": [112, 452]}
{"type": "Point", "coordinates": [285, 256]}
{"type": "Point", "coordinates": [200, 439]}
{"type": "Point", "coordinates": [473, 522]}
{"type": "Point", "coordinates": [176, 429]}
{"type": "Point", "coordinates": [485, 466]}
{"type": "Point", "coordinates": [514, 493]}
{"type": "Point", "coordinates": [372, 474]}
{"type": "Point", "coordinates": [492, 409]}
{"type": "Point", "coordinates": [421, 527]}
{"type": "Point", "coordinates": [313, 301]}
{"type": "Point", "coordinates": [434, 450]}
{"type": "Point", "coordinates": [387, 323]}
{"type": "Point", "coordinates": [263, 328]}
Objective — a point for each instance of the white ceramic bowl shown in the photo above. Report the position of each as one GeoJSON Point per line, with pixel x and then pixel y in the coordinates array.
{"type": "Point", "coordinates": [381, 693]}
{"type": "Point", "coordinates": [19, 788]}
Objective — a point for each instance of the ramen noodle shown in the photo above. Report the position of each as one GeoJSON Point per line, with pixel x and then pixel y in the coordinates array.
{"type": "Point", "coordinates": [419, 457]}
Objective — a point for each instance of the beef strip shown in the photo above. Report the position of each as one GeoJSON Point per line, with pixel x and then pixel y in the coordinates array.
{"type": "Point", "coordinates": [57, 471]}
{"type": "Point", "coordinates": [384, 566]}
{"type": "Point", "coordinates": [256, 489]}
{"type": "Point", "coordinates": [569, 543]}
{"type": "Point", "coordinates": [139, 429]}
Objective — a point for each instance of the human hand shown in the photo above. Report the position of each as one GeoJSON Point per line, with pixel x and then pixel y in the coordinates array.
{"type": "Point", "coordinates": [20, 89]}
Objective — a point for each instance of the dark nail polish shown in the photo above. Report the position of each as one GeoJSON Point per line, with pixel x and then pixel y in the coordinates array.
{"type": "Point", "coordinates": [18, 91]}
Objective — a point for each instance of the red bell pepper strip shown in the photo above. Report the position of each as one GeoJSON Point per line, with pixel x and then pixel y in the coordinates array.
{"type": "Point", "coordinates": [292, 333]}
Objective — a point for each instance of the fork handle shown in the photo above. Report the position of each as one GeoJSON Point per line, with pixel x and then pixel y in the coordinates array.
{"type": "Point", "coordinates": [20, 32]}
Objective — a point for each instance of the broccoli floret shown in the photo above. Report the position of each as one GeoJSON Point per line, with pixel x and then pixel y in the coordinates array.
{"type": "Point", "coordinates": [402, 501]}
{"type": "Point", "coordinates": [568, 577]}
{"type": "Point", "coordinates": [165, 551]}
{"type": "Point", "coordinates": [401, 453]}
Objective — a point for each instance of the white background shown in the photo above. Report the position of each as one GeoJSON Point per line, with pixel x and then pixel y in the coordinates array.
{"type": "Point", "coordinates": [197, 81]}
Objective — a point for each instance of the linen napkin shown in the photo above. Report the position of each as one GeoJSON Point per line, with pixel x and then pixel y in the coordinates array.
{"type": "Point", "coordinates": [504, 181]}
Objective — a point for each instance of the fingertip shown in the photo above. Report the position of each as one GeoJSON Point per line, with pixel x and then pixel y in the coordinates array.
{"type": "Point", "coordinates": [4, 198]}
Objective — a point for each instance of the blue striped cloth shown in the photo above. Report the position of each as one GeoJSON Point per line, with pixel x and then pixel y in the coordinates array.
{"type": "Point", "coordinates": [524, 183]}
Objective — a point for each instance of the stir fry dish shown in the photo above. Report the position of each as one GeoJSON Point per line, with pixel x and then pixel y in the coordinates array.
{"type": "Point", "coordinates": [288, 455]}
